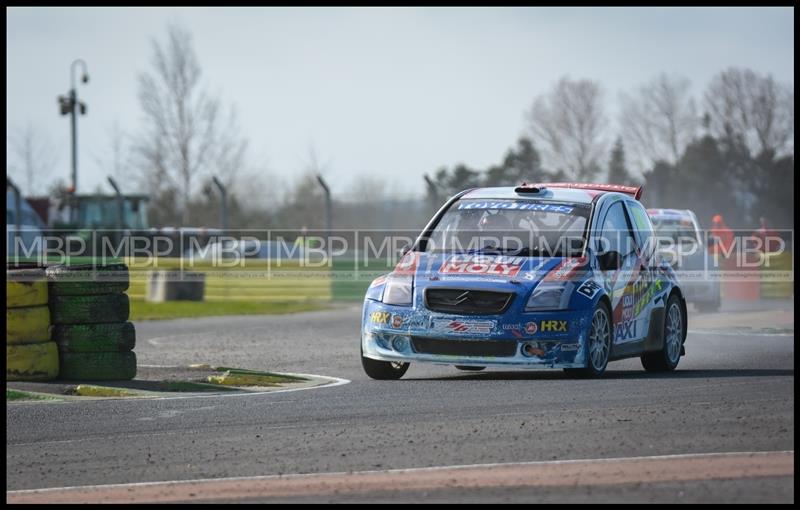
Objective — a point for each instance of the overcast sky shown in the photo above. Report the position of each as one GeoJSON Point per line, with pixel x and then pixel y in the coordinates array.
{"type": "Point", "coordinates": [388, 92]}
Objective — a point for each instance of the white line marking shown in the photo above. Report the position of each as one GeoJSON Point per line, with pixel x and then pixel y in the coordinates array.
{"type": "Point", "coordinates": [335, 381]}
{"type": "Point", "coordinates": [734, 333]}
{"type": "Point", "coordinates": [406, 470]}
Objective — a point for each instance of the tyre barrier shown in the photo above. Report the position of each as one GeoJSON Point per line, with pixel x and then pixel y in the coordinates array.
{"type": "Point", "coordinates": [98, 366]}
{"type": "Point", "coordinates": [32, 362]}
{"type": "Point", "coordinates": [30, 353]}
{"type": "Point", "coordinates": [114, 337]}
{"type": "Point", "coordinates": [25, 287]}
{"type": "Point", "coordinates": [94, 309]}
{"type": "Point", "coordinates": [27, 325]}
{"type": "Point", "coordinates": [90, 311]}
{"type": "Point", "coordinates": [87, 280]}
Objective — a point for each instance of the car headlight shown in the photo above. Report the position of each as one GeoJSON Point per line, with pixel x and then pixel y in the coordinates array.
{"type": "Point", "coordinates": [550, 296]}
{"type": "Point", "coordinates": [398, 290]}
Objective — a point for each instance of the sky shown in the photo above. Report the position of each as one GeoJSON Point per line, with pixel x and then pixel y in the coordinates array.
{"type": "Point", "coordinates": [381, 94]}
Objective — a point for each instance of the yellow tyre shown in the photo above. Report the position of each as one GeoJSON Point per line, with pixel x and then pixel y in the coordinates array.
{"type": "Point", "coordinates": [25, 287]}
{"type": "Point", "coordinates": [28, 325]}
{"type": "Point", "coordinates": [32, 362]}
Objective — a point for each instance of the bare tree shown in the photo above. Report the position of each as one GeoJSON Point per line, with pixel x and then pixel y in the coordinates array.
{"type": "Point", "coordinates": [115, 160]}
{"type": "Point", "coordinates": [659, 120]}
{"type": "Point", "coordinates": [187, 135]}
{"type": "Point", "coordinates": [31, 158]}
{"type": "Point", "coordinates": [752, 108]}
{"type": "Point", "coordinates": [569, 121]}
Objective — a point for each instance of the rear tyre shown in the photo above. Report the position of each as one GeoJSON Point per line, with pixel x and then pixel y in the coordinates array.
{"type": "Point", "coordinates": [383, 370]}
{"type": "Point", "coordinates": [467, 368]}
{"type": "Point", "coordinates": [666, 359]}
{"type": "Point", "coordinates": [598, 344]}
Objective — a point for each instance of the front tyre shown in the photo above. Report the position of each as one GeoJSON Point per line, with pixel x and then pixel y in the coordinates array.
{"type": "Point", "coordinates": [667, 358]}
{"type": "Point", "coordinates": [598, 343]}
{"type": "Point", "coordinates": [383, 370]}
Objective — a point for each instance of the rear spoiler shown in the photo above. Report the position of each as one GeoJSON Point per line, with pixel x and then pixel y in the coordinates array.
{"type": "Point", "coordinates": [634, 191]}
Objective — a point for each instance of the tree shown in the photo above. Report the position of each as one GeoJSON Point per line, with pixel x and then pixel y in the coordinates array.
{"type": "Point", "coordinates": [659, 120]}
{"type": "Point", "coordinates": [522, 164]}
{"type": "Point", "coordinates": [756, 109]}
{"type": "Point", "coordinates": [461, 177]}
{"type": "Point", "coordinates": [569, 120]}
{"type": "Point", "coordinates": [115, 160]}
{"type": "Point", "coordinates": [186, 134]}
{"type": "Point", "coordinates": [31, 159]}
{"type": "Point", "coordinates": [617, 171]}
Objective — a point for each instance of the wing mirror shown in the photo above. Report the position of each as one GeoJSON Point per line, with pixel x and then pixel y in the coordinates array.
{"type": "Point", "coordinates": [610, 261]}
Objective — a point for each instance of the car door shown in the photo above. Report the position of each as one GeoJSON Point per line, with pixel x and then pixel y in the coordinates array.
{"type": "Point", "coordinates": [616, 234]}
{"type": "Point", "coordinates": [647, 287]}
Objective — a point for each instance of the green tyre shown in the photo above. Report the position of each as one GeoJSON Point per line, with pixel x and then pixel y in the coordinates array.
{"type": "Point", "coordinates": [101, 309]}
{"type": "Point", "coordinates": [113, 337]}
{"type": "Point", "coordinates": [98, 366]}
{"type": "Point", "coordinates": [87, 280]}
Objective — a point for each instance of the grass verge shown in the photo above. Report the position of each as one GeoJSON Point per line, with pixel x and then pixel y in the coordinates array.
{"type": "Point", "coordinates": [14, 395]}
{"type": "Point", "coordinates": [143, 310]}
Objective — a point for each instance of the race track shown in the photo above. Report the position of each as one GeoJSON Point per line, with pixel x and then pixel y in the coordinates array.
{"type": "Point", "coordinates": [732, 393]}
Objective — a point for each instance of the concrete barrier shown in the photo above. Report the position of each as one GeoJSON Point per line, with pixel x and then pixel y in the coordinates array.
{"type": "Point", "coordinates": [175, 286]}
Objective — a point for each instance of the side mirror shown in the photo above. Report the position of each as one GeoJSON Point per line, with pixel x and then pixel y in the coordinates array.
{"type": "Point", "coordinates": [405, 249]}
{"type": "Point", "coordinates": [610, 261]}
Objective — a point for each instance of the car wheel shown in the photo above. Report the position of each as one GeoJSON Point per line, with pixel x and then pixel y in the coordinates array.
{"type": "Point", "coordinates": [598, 344]}
{"type": "Point", "coordinates": [469, 368]}
{"type": "Point", "coordinates": [667, 358]}
{"type": "Point", "coordinates": [383, 370]}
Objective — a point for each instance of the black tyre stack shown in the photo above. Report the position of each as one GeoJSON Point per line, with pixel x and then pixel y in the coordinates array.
{"type": "Point", "coordinates": [90, 310]}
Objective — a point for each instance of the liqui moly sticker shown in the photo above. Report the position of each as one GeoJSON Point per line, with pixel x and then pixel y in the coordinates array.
{"type": "Point", "coordinates": [565, 269]}
{"type": "Point", "coordinates": [489, 265]}
{"type": "Point", "coordinates": [408, 264]}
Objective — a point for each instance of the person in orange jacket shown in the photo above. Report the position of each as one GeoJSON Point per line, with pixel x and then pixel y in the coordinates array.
{"type": "Point", "coordinates": [722, 234]}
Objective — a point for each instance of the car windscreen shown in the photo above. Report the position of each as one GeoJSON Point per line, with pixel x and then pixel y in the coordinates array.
{"type": "Point", "coordinates": [511, 226]}
{"type": "Point", "coordinates": [674, 230]}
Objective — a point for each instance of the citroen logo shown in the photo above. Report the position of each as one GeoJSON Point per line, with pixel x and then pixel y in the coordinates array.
{"type": "Point", "coordinates": [461, 298]}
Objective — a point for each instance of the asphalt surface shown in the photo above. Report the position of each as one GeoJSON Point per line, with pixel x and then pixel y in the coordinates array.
{"type": "Point", "coordinates": [732, 392]}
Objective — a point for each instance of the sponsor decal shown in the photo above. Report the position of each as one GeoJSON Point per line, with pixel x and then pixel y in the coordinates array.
{"type": "Point", "coordinates": [554, 326]}
{"type": "Point", "coordinates": [490, 265]}
{"type": "Point", "coordinates": [397, 321]}
{"type": "Point", "coordinates": [465, 327]}
{"type": "Point", "coordinates": [645, 297]}
{"type": "Point", "coordinates": [627, 307]}
{"type": "Point", "coordinates": [569, 347]}
{"type": "Point", "coordinates": [518, 206]}
{"type": "Point", "coordinates": [589, 288]}
{"type": "Point", "coordinates": [565, 269]}
{"type": "Point", "coordinates": [625, 330]}
{"type": "Point", "coordinates": [377, 281]}
{"type": "Point", "coordinates": [408, 264]}
{"type": "Point", "coordinates": [516, 329]}
{"type": "Point", "coordinates": [379, 317]}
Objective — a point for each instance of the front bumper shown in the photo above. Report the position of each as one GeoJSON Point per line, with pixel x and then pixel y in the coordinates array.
{"type": "Point", "coordinates": [395, 333]}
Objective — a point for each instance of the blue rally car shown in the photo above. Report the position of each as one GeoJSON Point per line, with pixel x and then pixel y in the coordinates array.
{"type": "Point", "coordinates": [556, 275]}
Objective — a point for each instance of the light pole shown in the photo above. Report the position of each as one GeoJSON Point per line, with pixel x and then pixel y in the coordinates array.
{"type": "Point", "coordinates": [328, 205]}
{"type": "Point", "coordinates": [223, 212]}
{"type": "Point", "coordinates": [120, 205]}
{"type": "Point", "coordinates": [68, 106]}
